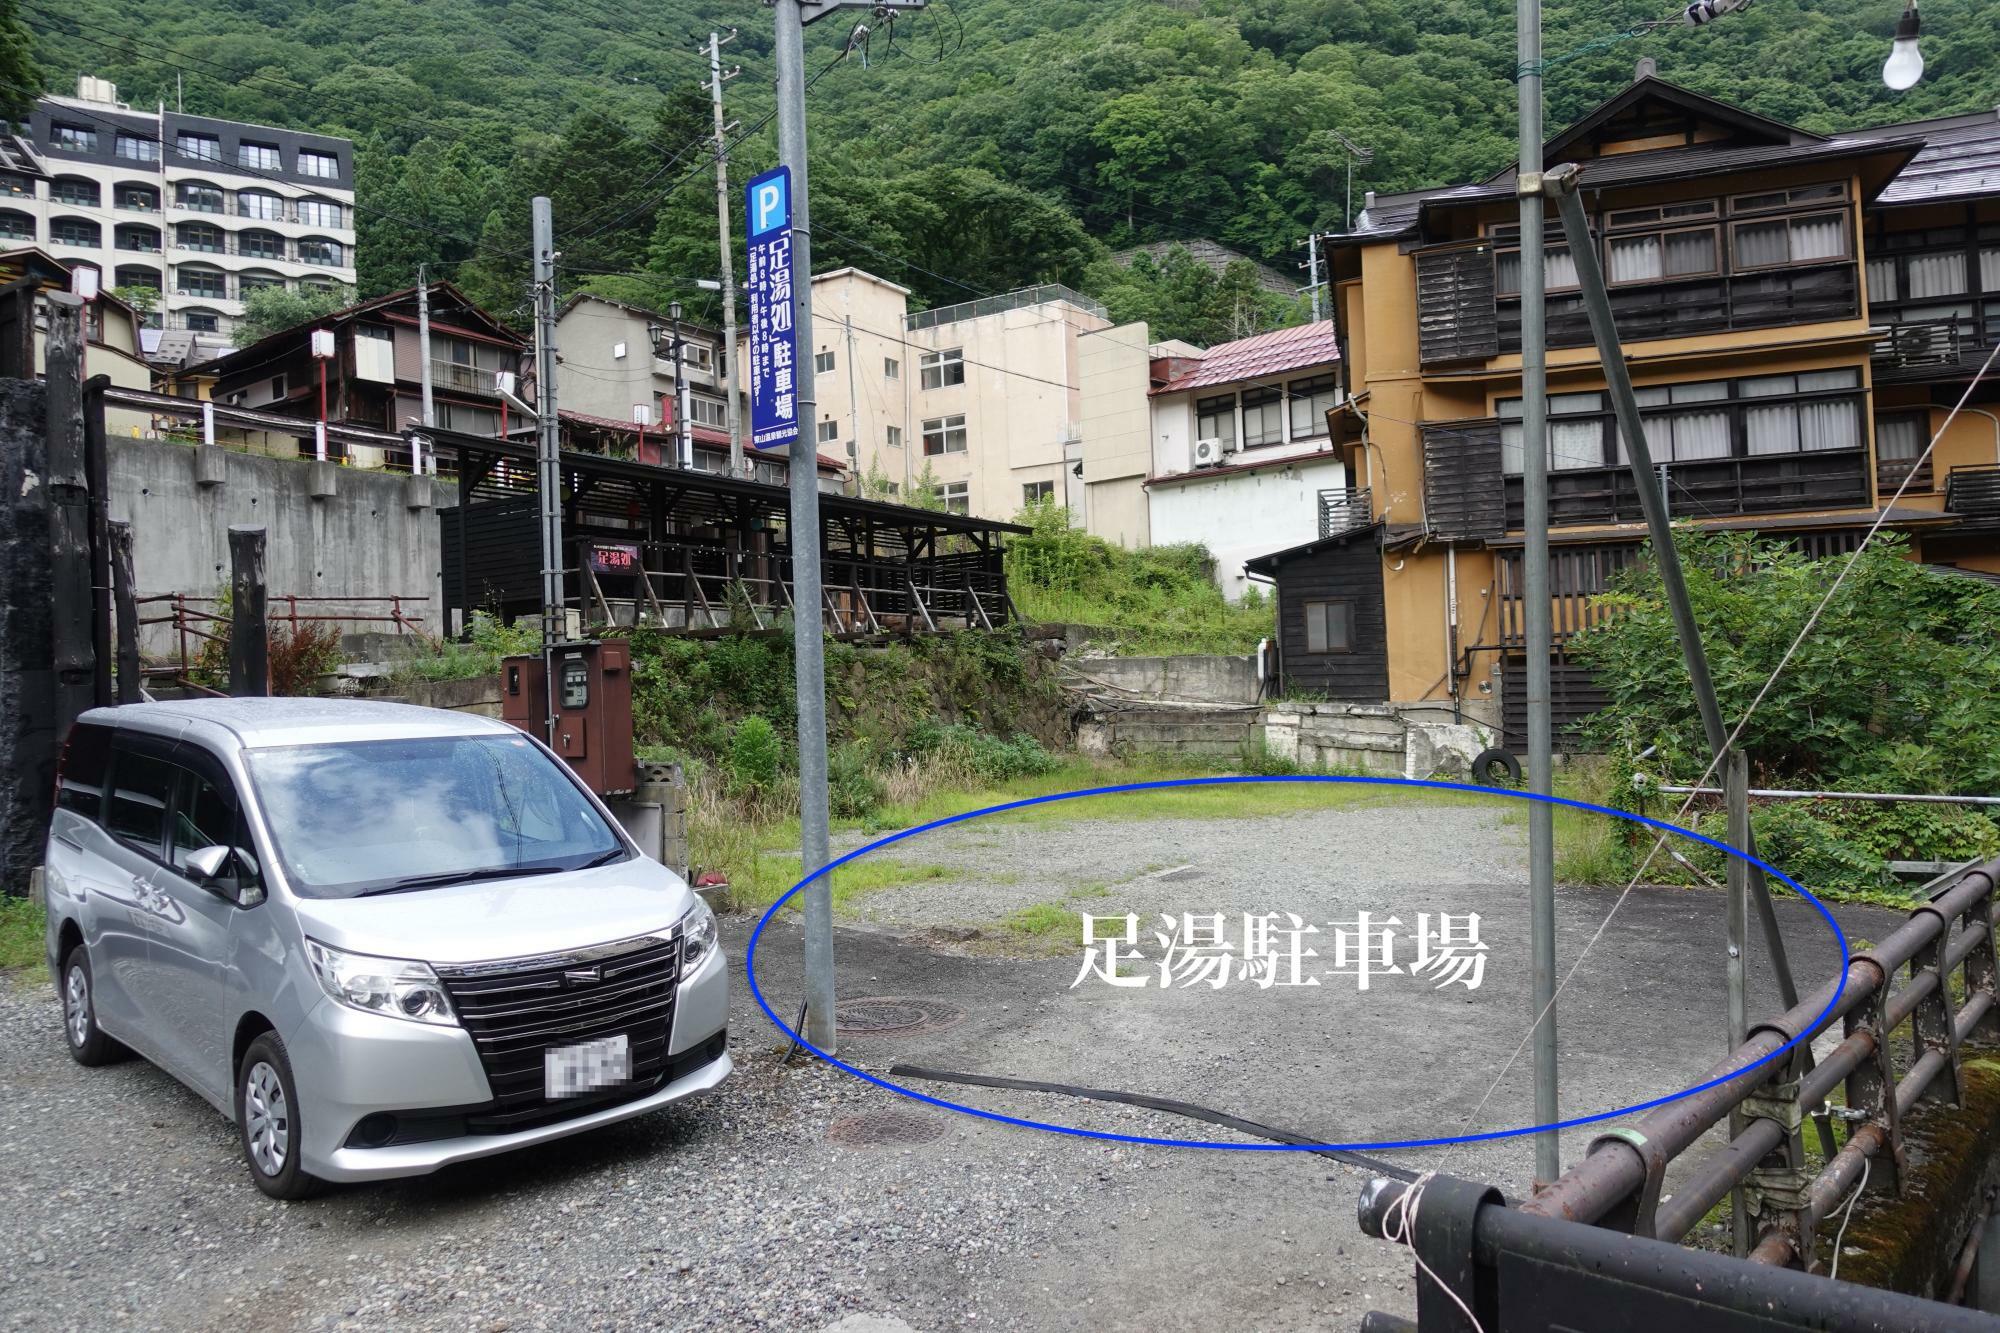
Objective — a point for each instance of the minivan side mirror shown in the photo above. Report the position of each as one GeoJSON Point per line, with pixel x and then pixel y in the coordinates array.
{"type": "Point", "coordinates": [207, 864]}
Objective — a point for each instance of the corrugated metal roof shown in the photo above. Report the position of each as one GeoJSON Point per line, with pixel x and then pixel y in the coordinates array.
{"type": "Point", "coordinates": [1960, 159]}
{"type": "Point", "coordinates": [1266, 354]}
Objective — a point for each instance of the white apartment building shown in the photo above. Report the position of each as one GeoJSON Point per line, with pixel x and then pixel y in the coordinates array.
{"type": "Point", "coordinates": [1227, 447]}
{"type": "Point", "coordinates": [985, 393]}
{"type": "Point", "coordinates": [204, 211]}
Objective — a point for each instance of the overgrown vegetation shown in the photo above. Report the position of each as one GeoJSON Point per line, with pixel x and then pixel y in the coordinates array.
{"type": "Point", "coordinates": [490, 640]}
{"type": "Point", "coordinates": [23, 930]}
{"type": "Point", "coordinates": [1161, 600]}
{"type": "Point", "coordinates": [1897, 689]}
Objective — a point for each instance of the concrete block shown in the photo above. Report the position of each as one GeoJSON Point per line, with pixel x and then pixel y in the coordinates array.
{"type": "Point", "coordinates": [419, 492]}
{"type": "Point", "coordinates": [1443, 749]}
{"type": "Point", "coordinates": [325, 480]}
{"type": "Point", "coordinates": [211, 465]}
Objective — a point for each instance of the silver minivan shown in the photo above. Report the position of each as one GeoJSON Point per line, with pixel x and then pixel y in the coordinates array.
{"type": "Point", "coordinates": [379, 938]}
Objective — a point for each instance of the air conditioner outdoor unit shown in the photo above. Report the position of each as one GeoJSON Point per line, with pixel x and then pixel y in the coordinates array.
{"type": "Point", "coordinates": [1207, 453]}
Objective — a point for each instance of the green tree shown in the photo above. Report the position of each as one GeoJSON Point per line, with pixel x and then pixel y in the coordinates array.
{"type": "Point", "coordinates": [145, 300]}
{"type": "Point", "coordinates": [20, 80]}
{"type": "Point", "coordinates": [269, 310]}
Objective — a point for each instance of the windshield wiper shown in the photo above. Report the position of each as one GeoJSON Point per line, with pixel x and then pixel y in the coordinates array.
{"type": "Point", "coordinates": [605, 859]}
{"type": "Point", "coordinates": [460, 877]}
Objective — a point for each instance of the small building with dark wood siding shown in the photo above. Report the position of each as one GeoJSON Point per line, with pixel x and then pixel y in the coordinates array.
{"type": "Point", "coordinates": [1333, 636]}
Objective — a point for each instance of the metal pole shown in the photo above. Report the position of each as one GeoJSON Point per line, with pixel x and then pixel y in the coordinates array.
{"type": "Point", "coordinates": [1736, 777]}
{"type": "Point", "coordinates": [853, 406]}
{"type": "Point", "coordinates": [1535, 580]}
{"type": "Point", "coordinates": [547, 460]}
{"type": "Point", "coordinates": [1312, 259]}
{"type": "Point", "coordinates": [423, 347]}
{"type": "Point", "coordinates": [682, 448]}
{"type": "Point", "coordinates": [716, 78]}
{"type": "Point", "coordinates": [807, 632]}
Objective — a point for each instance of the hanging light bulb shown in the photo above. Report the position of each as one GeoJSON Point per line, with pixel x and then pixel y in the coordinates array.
{"type": "Point", "coordinates": [1905, 64]}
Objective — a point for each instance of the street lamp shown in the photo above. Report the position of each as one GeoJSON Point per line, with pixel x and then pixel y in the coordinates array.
{"type": "Point", "coordinates": [1905, 64]}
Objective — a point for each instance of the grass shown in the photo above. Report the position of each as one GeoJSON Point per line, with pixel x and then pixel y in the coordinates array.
{"type": "Point", "coordinates": [775, 872]}
{"type": "Point", "coordinates": [22, 927]}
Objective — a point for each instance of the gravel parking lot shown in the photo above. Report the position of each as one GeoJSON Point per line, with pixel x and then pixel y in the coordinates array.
{"type": "Point", "coordinates": [798, 1196]}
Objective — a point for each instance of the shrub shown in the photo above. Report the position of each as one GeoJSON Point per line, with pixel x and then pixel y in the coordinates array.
{"type": "Point", "coordinates": [755, 756]}
{"type": "Point", "coordinates": [300, 654]}
{"type": "Point", "coordinates": [853, 789]}
{"type": "Point", "coordinates": [984, 756]}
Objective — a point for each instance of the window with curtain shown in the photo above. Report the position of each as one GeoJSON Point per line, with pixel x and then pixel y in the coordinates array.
{"type": "Point", "coordinates": [1576, 432]}
{"type": "Point", "coordinates": [1930, 276]}
{"type": "Point", "coordinates": [1989, 270]}
{"type": "Point", "coordinates": [1263, 416]}
{"type": "Point", "coordinates": [1899, 443]}
{"type": "Point", "coordinates": [1675, 254]}
{"type": "Point", "coordinates": [1558, 270]}
{"type": "Point", "coordinates": [1775, 243]}
{"type": "Point", "coordinates": [1882, 281]}
{"type": "Point", "coordinates": [1311, 400]}
{"type": "Point", "coordinates": [1215, 418]}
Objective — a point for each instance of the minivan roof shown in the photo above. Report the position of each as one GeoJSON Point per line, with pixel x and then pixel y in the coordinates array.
{"type": "Point", "coordinates": [254, 723]}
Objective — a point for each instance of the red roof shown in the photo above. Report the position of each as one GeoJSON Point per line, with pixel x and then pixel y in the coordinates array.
{"type": "Point", "coordinates": [1266, 354]}
{"type": "Point", "coordinates": [702, 434]}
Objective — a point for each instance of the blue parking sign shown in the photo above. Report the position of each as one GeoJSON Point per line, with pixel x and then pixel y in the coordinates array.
{"type": "Point", "coordinates": [774, 343]}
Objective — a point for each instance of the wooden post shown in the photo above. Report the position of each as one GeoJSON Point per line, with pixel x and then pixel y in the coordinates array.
{"type": "Point", "coordinates": [119, 538]}
{"type": "Point", "coordinates": [97, 474]}
{"type": "Point", "coordinates": [69, 513]}
{"type": "Point", "coordinates": [249, 646]}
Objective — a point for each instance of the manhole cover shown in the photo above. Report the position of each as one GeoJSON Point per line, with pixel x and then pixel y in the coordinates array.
{"type": "Point", "coordinates": [881, 1015]}
{"type": "Point", "coordinates": [885, 1129]}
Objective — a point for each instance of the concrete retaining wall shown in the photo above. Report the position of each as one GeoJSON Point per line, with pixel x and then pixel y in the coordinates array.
{"type": "Point", "coordinates": [1367, 738]}
{"type": "Point", "coordinates": [1206, 680]}
{"type": "Point", "coordinates": [333, 532]}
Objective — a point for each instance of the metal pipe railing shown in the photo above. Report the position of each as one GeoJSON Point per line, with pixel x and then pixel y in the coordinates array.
{"type": "Point", "coordinates": [1615, 1170]}
{"type": "Point", "coordinates": [1776, 793]}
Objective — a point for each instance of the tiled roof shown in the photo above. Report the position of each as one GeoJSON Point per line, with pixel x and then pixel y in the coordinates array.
{"type": "Point", "coordinates": [1266, 354]}
{"type": "Point", "coordinates": [1960, 159]}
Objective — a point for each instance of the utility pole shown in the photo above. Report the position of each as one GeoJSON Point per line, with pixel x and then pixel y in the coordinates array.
{"type": "Point", "coordinates": [808, 632]}
{"type": "Point", "coordinates": [548, 474]}
{"type": "Point", "coordinates": [424, 345]}
{"type": "Point", "coordinates": [683, 428]}
{"type": "Point", "coordinates": [716, 78]}
{"type": "Point", "coordinates": [1312, 270]}
{"type": "Point", "coordinates": [853, 406]}
{"type": "Point", "coordinates": [1535, 589]}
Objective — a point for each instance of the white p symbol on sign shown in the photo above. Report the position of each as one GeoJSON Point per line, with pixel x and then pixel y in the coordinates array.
{"type": "Point", "coordinates": [770, 205]}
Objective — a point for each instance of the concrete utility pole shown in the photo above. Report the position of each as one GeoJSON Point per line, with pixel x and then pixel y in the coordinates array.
{"type": "Point", "coordinates": [1535, 588]}
{"type": "Point", "coordinates": [853, 406]}
{"type": "Point", "coordinates": [808, 632]}
{"type": "Point", "coordinates": [716, 78]}
{"type": "Point", "coordinates": [1312, 271]}
{"type": "Point", "coordinates": [548, 464]}
{"type": "Point", "coordinates": [423, 346]}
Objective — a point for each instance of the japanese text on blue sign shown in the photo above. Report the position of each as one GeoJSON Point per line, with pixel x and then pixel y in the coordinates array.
{"type": "Point", "coordinates": [774, 410]}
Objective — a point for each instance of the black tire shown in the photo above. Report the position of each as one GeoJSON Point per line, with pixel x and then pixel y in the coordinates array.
{"type": "Point", "coordinates": [1494, 767]}
{"type": "Point", "coordinates": [86, 1041]}
{"type": "Point", "coordinates": [267, 1102]}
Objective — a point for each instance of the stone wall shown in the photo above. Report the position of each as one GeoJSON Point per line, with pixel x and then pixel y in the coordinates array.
{"type": "Point", "coordinates": [1366, 738]}
{"type": "Point", "coordinates": [27, 661]}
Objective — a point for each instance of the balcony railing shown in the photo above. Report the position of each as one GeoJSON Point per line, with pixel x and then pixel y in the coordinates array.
{"type": "Point", "coordinates": [470, 379]}
{"type": "Point", "coordinates": [1953, 340]}
{"type": "Point", "coordinates": [1973, 491]}
{"type": "Point", "coordinates": [1343, 510]}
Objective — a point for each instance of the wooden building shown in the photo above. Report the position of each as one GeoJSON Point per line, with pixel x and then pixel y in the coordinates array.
{"type": "Point", "coordinates": [1799, 312]}
{"type": "Point", "coordinates": [648, 544]}
{"type": "Point", "coordinates": [1333, 639]}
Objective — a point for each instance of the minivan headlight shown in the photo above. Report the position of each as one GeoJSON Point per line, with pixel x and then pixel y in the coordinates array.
{"type": "Point", "coordinates": [392, 987]}
{"type": "Point", "coordinates": [697, 928]}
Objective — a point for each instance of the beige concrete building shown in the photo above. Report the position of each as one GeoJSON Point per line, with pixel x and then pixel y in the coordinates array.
{"type": "Point", "coordinates": [986, 393]}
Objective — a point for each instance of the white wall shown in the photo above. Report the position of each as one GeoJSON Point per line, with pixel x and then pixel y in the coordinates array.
{"type": "Point", "coordinates": [1238, 515]}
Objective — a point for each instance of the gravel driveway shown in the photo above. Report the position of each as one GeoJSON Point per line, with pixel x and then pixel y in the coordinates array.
{"type": "Point", "coordinates": [798, 1196]}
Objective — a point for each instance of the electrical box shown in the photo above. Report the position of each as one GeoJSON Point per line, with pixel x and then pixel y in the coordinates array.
{"type": "Point", "coordinates": [592, 703]}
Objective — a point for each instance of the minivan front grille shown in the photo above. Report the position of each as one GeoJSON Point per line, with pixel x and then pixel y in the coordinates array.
{"type": "Point", "coordinates": [517, 1010]}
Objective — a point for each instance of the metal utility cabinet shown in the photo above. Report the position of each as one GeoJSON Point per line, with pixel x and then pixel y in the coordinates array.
{"type": "Point", "coordinates": [592, 708]}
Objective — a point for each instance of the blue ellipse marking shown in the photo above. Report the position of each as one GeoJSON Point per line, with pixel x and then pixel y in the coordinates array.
{"type": "Point", "coordinates": [1825, 1015]}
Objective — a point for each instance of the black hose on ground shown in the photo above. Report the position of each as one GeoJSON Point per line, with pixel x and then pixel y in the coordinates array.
{"type": "Point", "coordinates": [1167, 1104]}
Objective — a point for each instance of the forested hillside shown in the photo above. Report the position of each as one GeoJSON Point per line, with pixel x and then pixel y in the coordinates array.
{"type": "Point", "coordinates": [979, 146]}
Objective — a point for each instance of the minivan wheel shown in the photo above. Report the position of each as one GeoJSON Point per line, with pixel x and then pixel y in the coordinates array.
{"type": "Point", "coordinates": [87, 1043]}
{"type": "Point", "coordinates": [267, 1120]}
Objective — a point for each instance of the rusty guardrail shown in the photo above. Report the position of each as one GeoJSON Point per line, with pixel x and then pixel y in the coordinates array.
{"type": "Point", "coordinates": [190, 617]}
{"type": "Point", "coordinates": [1617, 1184]}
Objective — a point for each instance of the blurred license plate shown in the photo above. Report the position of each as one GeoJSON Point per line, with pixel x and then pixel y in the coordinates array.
{"type": "Point", "coordinates": [569, 1070]}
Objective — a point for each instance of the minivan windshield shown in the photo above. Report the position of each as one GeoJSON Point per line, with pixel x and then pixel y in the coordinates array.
{"type": "Point", "coordinates": [357, 817]}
